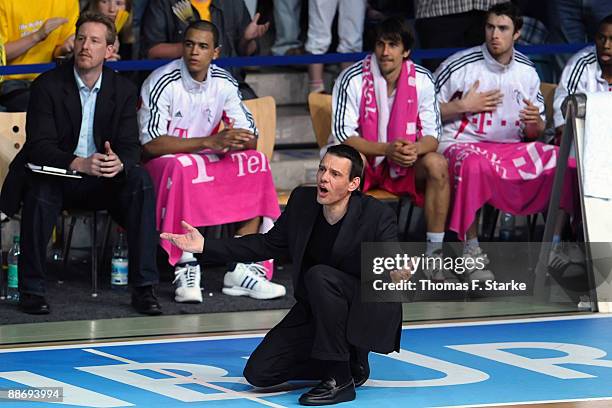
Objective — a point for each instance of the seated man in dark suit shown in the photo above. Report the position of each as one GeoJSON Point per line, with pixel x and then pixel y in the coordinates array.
{"type": "Point", "coordinates": [329, 331]}
{"type": "Point", "coordinates": [82, 117]}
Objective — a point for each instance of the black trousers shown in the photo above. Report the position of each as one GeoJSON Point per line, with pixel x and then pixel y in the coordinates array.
{"type": "Point", "coordinates": [130, 200]}
{"type": "Point", "coordinates": [312, 331]}
{"type": "Point", "coordinates": [456, 30]}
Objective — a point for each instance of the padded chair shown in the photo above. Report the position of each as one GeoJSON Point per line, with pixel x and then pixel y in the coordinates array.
{"type": "Point", "coordinates": [12, 138]}
{"type": "Point", "coordinates": [548, 91]}
{"type": "Point", "coordinates": [320, 107]}
{"type": "Point", "coordinates": [264, 114]}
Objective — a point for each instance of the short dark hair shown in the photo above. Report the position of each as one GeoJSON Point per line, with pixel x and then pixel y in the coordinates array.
{"type": "Point", "coordinates": [509, 10]}
{"type": "Point", "coordinates": [204, 25]}
{"type": "Point", "coordinates": [394, 29]}
{"type": "Point", "coordinates": [92, 17]}
{"type": "Point", "coordinates": [606, 20]}
{"type": "Point", "coordinates": [352, 154]}
{"type": "Point", "coordinates": [92, 5]}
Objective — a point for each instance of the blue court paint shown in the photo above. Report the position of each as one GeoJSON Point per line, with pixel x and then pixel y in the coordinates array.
{"type": "Point", "coordinates": [531, 360]}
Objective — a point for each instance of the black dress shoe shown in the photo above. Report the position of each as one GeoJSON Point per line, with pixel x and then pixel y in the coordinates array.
{"type": "Point", "coordinates": [145, 302]}
{"type": "Point", "coordinates": [360, 367]}
{"type": "Point", "coordinates": [33, 304]}
{"type": "Point", "coordinates": [329, 393]}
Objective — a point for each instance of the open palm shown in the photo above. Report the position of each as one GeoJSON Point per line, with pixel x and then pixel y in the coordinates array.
{"type": "Point", "coordinates": [192, 241]}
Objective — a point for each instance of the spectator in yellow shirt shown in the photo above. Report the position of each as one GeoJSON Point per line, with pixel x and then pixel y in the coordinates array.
{"type": "Point", "coordinates": [34, 34]}
{"type": "Point", "coordinates": [119, 11]}
{"type": "Point", "coordinates": [2, 63]}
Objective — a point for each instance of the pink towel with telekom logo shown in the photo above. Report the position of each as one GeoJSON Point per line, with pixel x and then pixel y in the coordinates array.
{"type": "Point", "coordinates": [514, 177]}
{"type": "Point", "coordinates": [376, 123]}
{"type": "Point", "coordinates": [211, 189]}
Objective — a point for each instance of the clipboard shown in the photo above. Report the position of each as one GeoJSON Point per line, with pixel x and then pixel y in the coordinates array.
{"type": "Point", "coordinates": [54, 171]}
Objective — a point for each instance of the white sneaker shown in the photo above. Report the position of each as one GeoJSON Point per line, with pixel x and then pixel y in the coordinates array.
{"type": "Point", "coordinates": [480, 275]}
{"type": "Point", "coordinates": [557, 259]}
{"type": "Point", "coordinates": [188, 276]}
{"type": "Point", "coordinates": [434, 269]}
{"type": "Point", "coordinates": [575, 252]}
{"type": "Point", "coordinates": [250, 280]}
{"type": "Point", "coordinates": [477, 255]}
{"type": "Point", "coordinates": [586, 304]}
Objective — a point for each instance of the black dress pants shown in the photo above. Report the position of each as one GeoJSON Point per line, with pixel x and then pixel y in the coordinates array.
{"type": "Point", "coordinates": [130, 200]}
{"type": "Point", "coordinates": [313, 330]}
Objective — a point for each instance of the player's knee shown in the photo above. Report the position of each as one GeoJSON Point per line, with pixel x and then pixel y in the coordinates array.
{"type": "Point", "coordinates": [436, 166]}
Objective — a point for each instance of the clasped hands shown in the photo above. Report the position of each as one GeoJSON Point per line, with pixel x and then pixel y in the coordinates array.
{"type": "Point", "coordinates": [105, 164]}
{"type": "Point", "coordinates": [402, 152]}
{"type": "Point", "coordinates": [230, 139]}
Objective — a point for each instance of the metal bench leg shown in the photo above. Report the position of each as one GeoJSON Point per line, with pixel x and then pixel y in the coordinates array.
{"type": "Point", "coordinates": [94, 256]}
{"type": "Point", "coordinates": [66, 251]}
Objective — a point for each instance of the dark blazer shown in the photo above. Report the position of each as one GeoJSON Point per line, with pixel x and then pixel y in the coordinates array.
{"type": "Point", "coordinates": [53, 123]}
{"type": "Point", "coordinates": [374, 326]}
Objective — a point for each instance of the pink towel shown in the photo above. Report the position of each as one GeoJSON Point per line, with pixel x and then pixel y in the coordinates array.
{"type": "Point", "coordinates": [513, 177]}
{"type": "Point", "coordinates": [209, 189]}
{"type": "Point", "coordinates": [375, 121]}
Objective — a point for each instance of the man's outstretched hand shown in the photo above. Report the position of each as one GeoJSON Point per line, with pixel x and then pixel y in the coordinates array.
{"type": "Point", "coordinates": [192, 241]}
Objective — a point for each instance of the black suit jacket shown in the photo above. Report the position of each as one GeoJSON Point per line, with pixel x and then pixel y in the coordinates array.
{"type": "Point", "coordinates": [53, 123]}
{"type": "Point", "coordinates": [374, 326]}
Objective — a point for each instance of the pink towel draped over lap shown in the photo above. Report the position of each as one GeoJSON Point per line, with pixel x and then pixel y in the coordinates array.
{"type": "Point", "coordinates": [210, 189]}
{"type": "Point", "coordinates": [514, 177]}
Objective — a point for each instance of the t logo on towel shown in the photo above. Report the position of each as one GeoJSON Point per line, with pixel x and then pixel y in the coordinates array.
{"type": "Point", "coordinates": [536, 167]}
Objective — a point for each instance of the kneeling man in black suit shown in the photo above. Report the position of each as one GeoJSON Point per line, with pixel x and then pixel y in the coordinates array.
{"type": "Point", "coordinates": [329, 331]}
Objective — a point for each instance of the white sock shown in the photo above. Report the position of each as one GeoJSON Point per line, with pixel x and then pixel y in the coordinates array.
{"type": "Point", "coordinates": [186, 257]}
{"type": "Point", "coordinates": [470, 244]}
{"type": "Point", "coordinates": [316, 85]}
{"type": "Point", "coordinates": [434, 242]}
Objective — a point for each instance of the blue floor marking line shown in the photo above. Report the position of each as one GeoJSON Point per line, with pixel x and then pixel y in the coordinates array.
{"type": "Point", "coordinates": [444, 365]}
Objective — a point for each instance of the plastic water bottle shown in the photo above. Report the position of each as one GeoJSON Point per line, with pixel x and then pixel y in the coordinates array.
{"type": "Point", "coordinates": [119, 263]}
{"type": "Point", "coordinates": [506, 227]}
{"type": "Point", "coordinates": [56, 254]}
{"type": "Point", "coordinates": [12, 293]}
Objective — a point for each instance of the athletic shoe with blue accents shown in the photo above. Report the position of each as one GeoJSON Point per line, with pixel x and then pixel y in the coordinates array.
{"type": "Point", "coordinates": [250, 280]}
